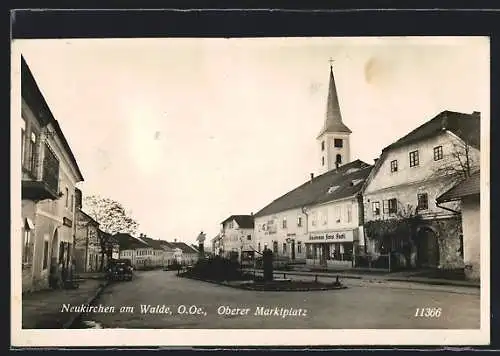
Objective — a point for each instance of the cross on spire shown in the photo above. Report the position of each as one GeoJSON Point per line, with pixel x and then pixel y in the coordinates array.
{"type": "Point", "coordinates": [331, 61]}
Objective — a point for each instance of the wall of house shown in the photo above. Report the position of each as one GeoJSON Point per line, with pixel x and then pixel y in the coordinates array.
{"type": "Point", "coordinates": [471, 218]}
{"type": "Point", "coordinates": [427, 167]}
{"type": "Point", "coordinates": [234, 236]}
{"type": "Point", "coordinates": [269, 228]}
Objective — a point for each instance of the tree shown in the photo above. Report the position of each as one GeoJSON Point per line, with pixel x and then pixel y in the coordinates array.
{"type": "Point", "coordinates": [461, 162]}
{"type": "Point", "coordinates": [400, 229]}
{"type": "Point", "coordinates": [111, 217]}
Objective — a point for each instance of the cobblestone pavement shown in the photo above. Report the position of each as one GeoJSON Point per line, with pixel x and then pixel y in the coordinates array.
{"type": "Point", "coordinates": [363, 305]}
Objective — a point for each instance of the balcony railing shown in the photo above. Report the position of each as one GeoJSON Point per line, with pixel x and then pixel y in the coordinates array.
{"type": "Point", "coordinates": [46, 186]}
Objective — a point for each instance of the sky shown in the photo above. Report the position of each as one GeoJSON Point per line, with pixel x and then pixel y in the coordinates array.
{"type": "Point", "coordinates": [186, 132]}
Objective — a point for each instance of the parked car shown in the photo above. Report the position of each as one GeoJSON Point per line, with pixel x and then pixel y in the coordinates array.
{"type": "Point", "coordinates": [119, 270]}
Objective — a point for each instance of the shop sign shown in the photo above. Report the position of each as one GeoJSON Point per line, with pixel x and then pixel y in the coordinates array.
{"type": "Point", "coordinates": [332, 236]}
{"type": "Point", "coordinates": [67, 222]}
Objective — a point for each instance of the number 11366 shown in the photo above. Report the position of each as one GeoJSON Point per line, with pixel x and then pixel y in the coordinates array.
{"type": "Point", "coordinates": [428, 312]}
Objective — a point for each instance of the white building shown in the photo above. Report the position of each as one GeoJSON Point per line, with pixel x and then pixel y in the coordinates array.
{"type": "Point", "coordinates": [408, 177]}
{"type": "Point", "coordinates": [49, 176]}
{"type": "Point", "coordinates": [468, 192]}
{"type": "Point", "coordinates": [320, 221]}
{"type": "Point", "coordinates": [237, 236]}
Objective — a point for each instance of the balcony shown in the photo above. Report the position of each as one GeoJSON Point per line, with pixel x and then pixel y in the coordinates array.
{"type": "Point", "coordinates": [45, 185]}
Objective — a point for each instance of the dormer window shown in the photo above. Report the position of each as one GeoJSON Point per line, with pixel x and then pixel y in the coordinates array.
{"type": "Point", "coordinates": [332, 189]}
{"type": "Point", "coordinates": [356, 181]}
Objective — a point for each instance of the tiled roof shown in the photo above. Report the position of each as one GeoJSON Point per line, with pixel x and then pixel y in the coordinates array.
{"type": "Point", "coordinates": [467, 187]}
{"type": "Point", "coordinates": [128, 242]}
{"type": "Point", "coordinates": [318, 190]}
{"type": "Point", "coordinates": [465, 126]}
{"type": "Point", "coordinates": [185, 248]}
{"type": "Point", "coordinates": [156, 244]}
{"type": "Point", "coordinates": [243, 221]}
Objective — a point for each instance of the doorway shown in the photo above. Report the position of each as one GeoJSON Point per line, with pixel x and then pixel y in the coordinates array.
{"type": "Point", "coordinates": [427, 248]}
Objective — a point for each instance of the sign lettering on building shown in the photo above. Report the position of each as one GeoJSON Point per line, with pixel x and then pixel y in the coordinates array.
{"type": "Point", "coordinates": [340, 236]}
{"type": "Point", "coordinates": [67, 222]}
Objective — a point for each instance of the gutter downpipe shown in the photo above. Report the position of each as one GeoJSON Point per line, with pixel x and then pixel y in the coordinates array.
{"type": "Point", "coordinates": [445, 208]}
{"type": "Point", "coordinates": [304, 211]}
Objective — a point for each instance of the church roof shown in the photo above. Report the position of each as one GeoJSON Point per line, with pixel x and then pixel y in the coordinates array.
{"type": "Point", "coordinates": [333, 119]}
{"type": "Point", "coordinates": [343, 182]}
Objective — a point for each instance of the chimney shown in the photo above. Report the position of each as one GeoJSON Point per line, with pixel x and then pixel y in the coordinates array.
{"type": "Point", "coordinates": [141, 234]}
{"type": "Point", "coordinates": [375, 160]}
{"type": "Point", "coordinates": [175, 240]}
{"type": "Point", "coordinates": [251, 214]}
{"type": "Point", "coordinates": [312, 176]}
{"type": "Point", "coordinates": [476, 114]}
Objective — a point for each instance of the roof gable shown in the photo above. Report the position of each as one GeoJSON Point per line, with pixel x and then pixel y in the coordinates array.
{"type": "Point", "coordinates": [465, 126]}
{"type": "Point", "coordinates": [318, 190]}
{"type": "Point", "coordinates": [243, 221]}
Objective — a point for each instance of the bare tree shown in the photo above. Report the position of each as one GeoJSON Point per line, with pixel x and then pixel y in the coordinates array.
{"type": "Point", "coordinates": [111, 217]}
{"type": "Point", "coordinates": [462, 162]}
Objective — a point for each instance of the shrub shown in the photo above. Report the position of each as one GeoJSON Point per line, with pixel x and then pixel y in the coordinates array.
{"type": "Point", "coordinates": [217, 268]}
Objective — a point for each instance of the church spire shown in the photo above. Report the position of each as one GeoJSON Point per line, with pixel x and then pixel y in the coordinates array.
{"type": "Point", "coordinates": [333, 119]}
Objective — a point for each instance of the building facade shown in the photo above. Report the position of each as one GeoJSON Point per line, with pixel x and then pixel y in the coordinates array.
{"type": "Point", "coordinates": [468, 193]}
{"type": "Point", "coordinates": [408, 177]}
{"type": "Point", "coordinates": [49, 176]}
{"type": "Point", "coordinates": [87, 253]}
{"type": "Point", "coordinates": [237, 236]}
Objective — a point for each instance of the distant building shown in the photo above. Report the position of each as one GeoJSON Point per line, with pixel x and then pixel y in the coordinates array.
{"type": "Point", "coordinates": [408, 177]}
{"type": "Point", "coordinates": [468, 193]}
{"type": "Point", "coordinates": [134, 249]}
{"type": "Point", "coordinates": [237, 236]}
{"type": "Point", "coordinates": [50, 173]}
{"type": "Point", "coordinates": [87, 252]}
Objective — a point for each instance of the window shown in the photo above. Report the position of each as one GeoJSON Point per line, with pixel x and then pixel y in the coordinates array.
{"type": "Point", "coordinates": [349, 213]}
{"type": "Point", "coordinates": [299, 221]}
{"type": "Point", "coordinates": [337, 215]}
{"type": "Point", "coordinates": [72, 201]}
{"type": "Point", "coordinates": [376, 208]}
{"type": "Point", "coordinates": [275, 246]}
{"type": "Point", "coordinates": [284, 223]}
{"type": "Point", "coordinates": [322, 161]}
{"type": "Point", "coordinates": [67, 197]}
{"type": "Point", "coordinates": [338, 159]}
{"type": "Point", "coordinates": [394, 165]}
{"type": "Point", "coordinates": [438, 153]}
{"type": "Point", "coordinates": [413, 158]}
{"type": "Point", "coordinates": [313, 219]}
{"type": "Point", "coordinates": [338, 142]}
{"type": "Point", "coordinates": [32, 153]}
{"type": "Point", "coordinates": [325, 217]}
{"type": "Point", "coordinates": [390, 206]}
{"type": "Point", "coordinates": [423, 203]}
{"type": "Point", "coordinates": [258, 246]}
{"type": "Point", "coordinates": [26, 245]}
{"type": "Point", "coordinates": [299, 247]}
{"type": "Point", "coordinates": [23, 138]}
{"type": "Point", "coordinates": [322, 145]}
{"type": "Point", "coordinates": [45, 254]}
{"type": "Point", "coordinates": [249, 237]}
{"type": "Point", "coordinates": [284, 247]}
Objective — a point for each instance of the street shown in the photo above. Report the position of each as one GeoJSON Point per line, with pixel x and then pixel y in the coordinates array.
{"type": "Point", "coordinates": [169, 300]}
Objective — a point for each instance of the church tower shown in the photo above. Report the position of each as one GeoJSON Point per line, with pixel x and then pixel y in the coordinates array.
{"type": "Point", "coordinates": [333, 139]}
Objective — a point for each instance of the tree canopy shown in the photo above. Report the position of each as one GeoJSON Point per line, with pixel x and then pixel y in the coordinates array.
{"type": "Point", "coordinates": [110, 214]}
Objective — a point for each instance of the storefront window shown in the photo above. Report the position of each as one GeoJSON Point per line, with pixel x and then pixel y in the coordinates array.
{"type": "Point", "coordinates": [339, 251]}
